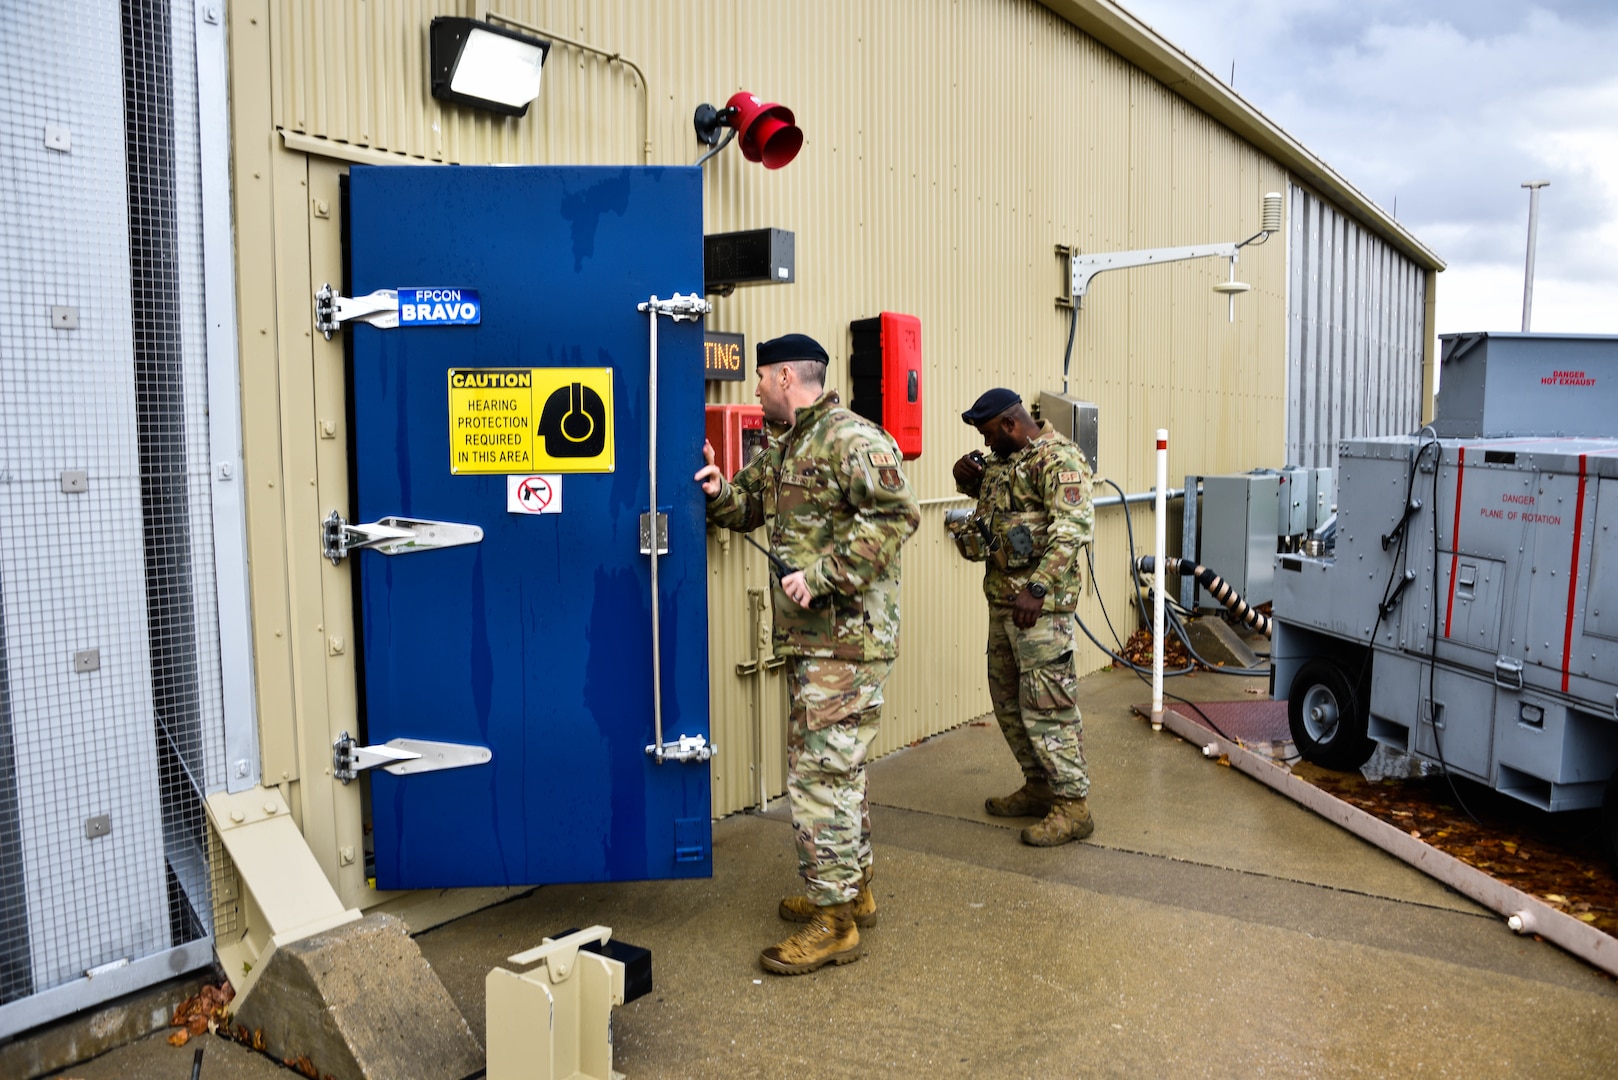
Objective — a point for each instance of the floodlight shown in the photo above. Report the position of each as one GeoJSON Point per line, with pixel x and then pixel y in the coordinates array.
{"type": "Point", "coordinates": [485, 66]}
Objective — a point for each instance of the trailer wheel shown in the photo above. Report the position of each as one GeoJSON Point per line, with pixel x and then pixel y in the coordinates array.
{"type": "Point", "coordinates": [1327, 719]}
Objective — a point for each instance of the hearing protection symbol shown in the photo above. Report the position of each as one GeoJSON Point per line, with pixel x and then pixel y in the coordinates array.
{"type": "Point", "coordinates": [531, 420]}
{"type": "Point", "coordinates": [573, 422]}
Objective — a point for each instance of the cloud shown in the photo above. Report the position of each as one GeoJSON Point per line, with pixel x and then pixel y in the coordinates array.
{"type": "Point", "coordinates": [1440, 110]}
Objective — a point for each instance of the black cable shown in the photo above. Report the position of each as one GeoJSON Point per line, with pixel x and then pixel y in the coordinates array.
{"type": "Point", "coordinates": [1180, 632]}
{"type": "Point", "coordinates": [1382, 609]}
{"type": "Point", "coordinates": [1067, 356]}
{"type": "Point", "coordinates": [1124, 661]}
{"type": "Point", "coordinates": [1129, 528]}
{"type": "Point", "coordinates": [1089, 555]}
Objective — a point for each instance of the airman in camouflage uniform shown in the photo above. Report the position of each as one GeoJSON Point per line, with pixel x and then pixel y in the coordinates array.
{"type": "Point", "coordinates": [1033, 514]}
{"type": "Point", "coordinates": [830, 488]}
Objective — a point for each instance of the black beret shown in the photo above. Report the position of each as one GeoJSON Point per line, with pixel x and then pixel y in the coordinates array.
{"type": "Point", "coordinates": [790, 347]}
{"type": "Point", "coordinates": [990, 405]}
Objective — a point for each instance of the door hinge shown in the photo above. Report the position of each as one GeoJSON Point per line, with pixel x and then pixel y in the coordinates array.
{"type": "Point", "coordinates": [402, 757]}
{"type": "Point", "coordinates": [686, 748]}
{"type": "Point", "coordinates": [332, 310]}
{"type": "Point", "coordinates": [392, 536]}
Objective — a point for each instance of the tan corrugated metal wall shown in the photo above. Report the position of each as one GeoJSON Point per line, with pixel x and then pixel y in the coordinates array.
{"type": "Point", "coordinates": [949, 147]}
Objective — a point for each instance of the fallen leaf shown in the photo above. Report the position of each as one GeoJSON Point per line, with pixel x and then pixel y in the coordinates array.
{"type": "Point", "coordinates": [1556, 898]}
{"type": "Point", "coordinates": [1416, 833]}
{"type": "Point", "coordinates": [180, 1038]}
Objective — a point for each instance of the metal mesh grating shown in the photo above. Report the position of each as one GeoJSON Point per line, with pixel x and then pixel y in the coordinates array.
{"type": "Point", "coordinates": [16, 977]}
{"type": "Point", "coordinates": [225, 887]}
{"type": "Point", "coordinates": [110, 688]}
{"type": "Point", "coordinates": [160, 404]}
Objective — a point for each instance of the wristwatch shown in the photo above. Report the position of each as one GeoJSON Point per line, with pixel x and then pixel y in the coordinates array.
{"type": "Point", "coordinates": [1036, 590]}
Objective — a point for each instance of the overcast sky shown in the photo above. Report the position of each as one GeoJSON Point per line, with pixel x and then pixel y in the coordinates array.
{"type": "Point", "coordinates": [1447, 106]}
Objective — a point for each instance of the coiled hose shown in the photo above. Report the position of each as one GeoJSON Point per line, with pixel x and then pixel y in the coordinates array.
{"type": "Point", "coordinates": [1214, 585]}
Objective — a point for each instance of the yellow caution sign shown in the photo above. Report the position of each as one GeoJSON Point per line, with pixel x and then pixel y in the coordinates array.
{"type": "Point", "coordinates": [530, 420]}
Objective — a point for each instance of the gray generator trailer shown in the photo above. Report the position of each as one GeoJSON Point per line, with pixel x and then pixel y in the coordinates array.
{"type": "Point", "coordinates": [1465, 610]}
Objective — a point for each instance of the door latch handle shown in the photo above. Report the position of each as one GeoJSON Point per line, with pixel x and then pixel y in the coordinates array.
{"type": "Point", "coordinates": [392, 536]}
{"type": "Point", "coordinates": [1508, 673]}
{"type": "Point", "coordinates": [687, 748]}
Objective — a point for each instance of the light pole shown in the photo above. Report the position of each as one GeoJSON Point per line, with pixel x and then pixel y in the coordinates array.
{"type": "Point", "coordinates": [1533, 187]}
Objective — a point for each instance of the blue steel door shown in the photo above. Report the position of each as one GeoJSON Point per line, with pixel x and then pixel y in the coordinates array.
{"type": "Point", "coordinates": [537, 642]}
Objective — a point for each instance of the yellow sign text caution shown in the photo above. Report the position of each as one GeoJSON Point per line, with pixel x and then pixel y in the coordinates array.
{"type": "Point", "coordinates": [522, 420]}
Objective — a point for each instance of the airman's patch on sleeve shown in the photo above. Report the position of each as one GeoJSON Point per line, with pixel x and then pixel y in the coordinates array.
{"type": "Point", "coordinates": [1072, 494]}
{"type": "Point", "coordinates": [881, 459]}
{"type": "Point", "coordinates": [890, 478]}
{"type": "Point", "coordinates": [1069, 478]}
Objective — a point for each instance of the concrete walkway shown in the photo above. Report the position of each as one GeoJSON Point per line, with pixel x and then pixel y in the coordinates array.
{"type": "Point", "coordinates": [1209, 928]}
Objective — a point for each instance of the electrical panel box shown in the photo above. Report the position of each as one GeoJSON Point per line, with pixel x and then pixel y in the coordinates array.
{"type": "Point", "coordinates": [736, 433]}
{"type": "Point", "coordinates": [886, 367]}
{"type": "Point", "coordinates": [1238, 537]}
{"type": "Point", "coordinates": [1322, 494]}
{"type": "Point", "coordinates": [1292, 502]}
{"type": "Point", "coordinates": [1076, 419]}
{"type": "Point", "coordinates": [751, 257]}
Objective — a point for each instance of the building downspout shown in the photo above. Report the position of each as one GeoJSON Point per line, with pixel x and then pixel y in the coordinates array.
{"type": "Point", "coordinates": [1429, 348]}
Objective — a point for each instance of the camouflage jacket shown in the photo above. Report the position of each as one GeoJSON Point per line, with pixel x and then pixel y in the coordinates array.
{"type": "Point", "coordinates": [838, 507]}
{"type": "Point", "coordinates": [1044, 488]}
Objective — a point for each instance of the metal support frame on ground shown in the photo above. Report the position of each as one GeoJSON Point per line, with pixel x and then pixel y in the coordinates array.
{"type": "Point", "coordinates": [554, 1020]}
{"type": "Point", "coordinates": [283, 893]}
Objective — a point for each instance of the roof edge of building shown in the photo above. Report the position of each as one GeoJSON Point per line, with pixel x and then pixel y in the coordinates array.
{"type": "Point", "coordinates": [1144, 47]}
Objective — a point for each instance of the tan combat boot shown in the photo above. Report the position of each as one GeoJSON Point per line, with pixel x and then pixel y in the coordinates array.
{"type": "Point", "coordinates": [1033, 799]}
{"type": "Point", "coordinates": [1069, 819]}
{"type": "Point", "coordinates": [802, 909]}
{"type": "Point", "coordinates": [829, 938]}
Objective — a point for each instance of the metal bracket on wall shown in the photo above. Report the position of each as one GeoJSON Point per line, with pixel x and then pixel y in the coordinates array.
{"type": "Point", "coordinates": [402, 757]}
{"type": "Point", "coordinates": [380, 309]}
{"type": "Point", "coordinates": [753, 667]}
{"type": "Point", "coordinates": [392, 536]}
{"type": "Point", "coordinates": [1064, 255]}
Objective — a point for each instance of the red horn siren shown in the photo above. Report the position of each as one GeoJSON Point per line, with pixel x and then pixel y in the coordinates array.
{"type": "Point", "coordinates": [766, 130]}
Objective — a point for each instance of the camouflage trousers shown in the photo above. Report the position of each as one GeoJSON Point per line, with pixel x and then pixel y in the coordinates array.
{"type": "Point", "coordinates": [836, 705]}
{"type": "Point", "coordinates": [1033, 687]}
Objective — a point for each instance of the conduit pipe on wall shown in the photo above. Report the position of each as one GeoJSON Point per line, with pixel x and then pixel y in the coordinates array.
{"type": "Point", "coordinates": [1106, 500]}
{"type": "Point", "coordinates": [610, 57]}
{"type": "Point", "coordinates": [1524, 913]}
